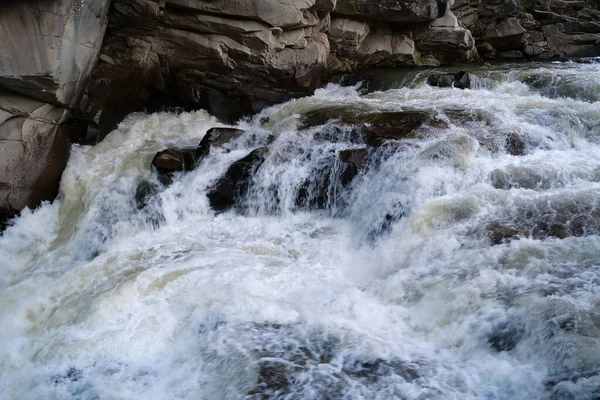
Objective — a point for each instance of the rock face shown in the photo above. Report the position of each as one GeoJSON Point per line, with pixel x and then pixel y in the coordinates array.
{"type": "Point", "coordinates": [536, 29]}
{"type": "Point", "coordinates": [230, 57]}
{"type": "Point", "coordinates": [47, 49]}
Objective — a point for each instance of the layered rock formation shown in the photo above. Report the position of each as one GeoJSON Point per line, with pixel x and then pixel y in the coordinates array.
{"type": "Point", "coordinates": [232, 57]}
{"type": "Point", "coordinates": [47, 50]}
{"type": "Point", "coordinates": [534, 29]}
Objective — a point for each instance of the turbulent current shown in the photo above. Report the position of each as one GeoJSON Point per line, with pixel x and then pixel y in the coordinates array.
{"type": "Point", "coordinates": [452, 267]}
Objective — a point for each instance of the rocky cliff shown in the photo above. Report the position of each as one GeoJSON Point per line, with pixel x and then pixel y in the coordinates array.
{"type": "Point", "coordinates": [70, 70]}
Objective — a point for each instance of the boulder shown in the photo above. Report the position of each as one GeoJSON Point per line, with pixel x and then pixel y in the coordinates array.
{"type": "Point", "coordinates": [169, 161]}
{"type": "Point", "coordinates": [215, 138]}
{"type": "Point", "coordinates": [174, 160]}
{"type": "Point", "coordinates": [346, 35]}
{"type": "Point", "coordinates": [459, 80]}
{"type": "Point", "coordinates": [446, 44]}
{"type": "Point", "coordinates": [381, 49]}
{"type": "Point", "coordinates": [231, 188]}
{"type": "Point", "coordinates": [354, 161]}
{"type": "Point", "coordinates": [505, 336]}
{"type": "Point", "coordinates": [34, 149]}
{"type": "Point", "coordinates": [508, 35]}
{"type": "Point", "coordinates": [515, 144]}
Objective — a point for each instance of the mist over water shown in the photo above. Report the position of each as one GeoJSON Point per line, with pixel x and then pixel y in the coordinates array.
{"type": "Point", "coordinates": [447, 269]}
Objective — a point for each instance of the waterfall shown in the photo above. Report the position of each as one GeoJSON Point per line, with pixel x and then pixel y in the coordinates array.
{"type": "Point", "coordinates": [459, 261]}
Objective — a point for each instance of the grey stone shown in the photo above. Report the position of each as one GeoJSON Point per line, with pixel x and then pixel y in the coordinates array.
{"type": "Point", "coordinates": [48, 48]}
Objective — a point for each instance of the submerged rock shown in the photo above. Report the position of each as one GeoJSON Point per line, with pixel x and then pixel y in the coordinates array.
{"type": "Point", "coordinates": [459, 80]}
{"type": "Point", "coordinates": [374, 127]}
{"type": "Point", "coordinates": [231, 188]}
{"type": "Point", "coordinates": [515, 144]}
{"type": "Point", "coordinates": [216, 137]}
{"type": "Point", "coordinates": [144, 192]}
{"type": "Point", "coordinates": [288, 357]}
{"type": "Point", "coordinates": [505, 336]}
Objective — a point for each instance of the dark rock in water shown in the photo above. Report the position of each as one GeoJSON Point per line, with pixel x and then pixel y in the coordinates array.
{"type": "Point", "coordinates": [375, 126]}
{"type": "Point", "coordinates": [515, 144]}
{"type": "Point", "coordinates": [216, 137]}
{"type": "Point", "coordinates": [459, 80]}
{"type": "Point", "coordinates": [462, 80]}
{"type": "Point", "coordinates": [174, 160]}
{"type": "Point", "coordinates": [314, 192]}
{"type": "Point", "coordinates": [373, 370]}
{"type": "Point", "coordinates": [235, 183]}
{"type": "Point", "coordinates": [72, 375]}
{"type": "Point", "coordinates": [323, 188]}
{"type": "Point", "coordinates": [392, 125]}
{"type": "Point", "coordinates": [288, 357]}
{"type": "Point", "coordinates": [354, 161]}
{"type": "Point", "coordinates": [499, 233]}
{"type": "Point", "coordinates": [441, 80]}
{"type": "Point", "coordinates": [571, 377]}
{"type": "Point", "coordinates": [505, 337]}
{"type": "Point", "coordinates": [144, 192]}
{"type": "Point", "coordinates": [275, 377]}
{"type": "Point", "coordinates": [358, 157]}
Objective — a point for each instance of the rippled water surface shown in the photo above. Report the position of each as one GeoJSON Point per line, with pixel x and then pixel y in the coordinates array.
{"type": "Point", "coordinates": [448, 269]}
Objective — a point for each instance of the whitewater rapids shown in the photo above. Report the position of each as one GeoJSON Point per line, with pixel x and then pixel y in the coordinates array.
{"type": "Point", "coordinates": [99, 300]}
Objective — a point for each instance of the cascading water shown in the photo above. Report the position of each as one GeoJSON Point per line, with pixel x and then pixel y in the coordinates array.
{"type": "Point", "coordinates": [450, 267]}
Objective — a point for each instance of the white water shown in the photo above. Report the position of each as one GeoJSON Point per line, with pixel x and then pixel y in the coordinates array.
{"type": "Point", "coordinates": [101, 301]}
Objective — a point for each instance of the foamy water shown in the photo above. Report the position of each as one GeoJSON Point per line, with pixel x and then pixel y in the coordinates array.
{"type": "Point", "coordinates": [101, 300]}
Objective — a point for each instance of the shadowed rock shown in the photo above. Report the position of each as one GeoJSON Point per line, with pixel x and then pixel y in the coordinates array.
{"type": "Point", "coordinates": [233, 186]}
{"type": "Point", "coordinates": [170, 161]}
{"type": "Point", "coordinates": [216, 137]}
{"type": "Point", "coordinates": [375, 128]}
{"type": "Point", "coordinates": [505, 336]}
{"type": "Point", "coordinates": [459, 80]}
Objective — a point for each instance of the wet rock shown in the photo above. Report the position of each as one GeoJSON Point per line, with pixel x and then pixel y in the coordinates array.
{"type": "Point", "coordinates": [170, 161]}
{"type": "Point", "coordinates": [275, 377]}
{"type": "Point", "coordinates": [374, 370]}
{"type": "Point", "coordinates": [500, 233]}
{"type": "Point", "coordinates": [515, 144]}
{"type": "Point", "coordinates": [174, 160]}
{"type": "Point", "coordinates": [505, 336]}
{"type": "Point", "coordinates": [232, 187]}
{"type": "Point", "coordinates": [288, 357]}
{"type": "Point", "coordinates": [72, 375]}
{"type": "Point", "coordinates": [314, 192]}
{"type": "Point", "coordinates": [325, 187]}
{"type": "Point", "coordinates": [216, 137]}
{"type": "Point", "coordinates": [459, 80]}
{"type": "Point", "coordinates": [441, 80]}
{"type": "Point", "coordinates": [144, 192]}
{"type": "Point", "coordinates": [354, 162]}
{"type": "Point", "coordinates": [375, 128]}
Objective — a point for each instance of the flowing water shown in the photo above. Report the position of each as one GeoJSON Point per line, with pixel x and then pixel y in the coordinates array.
{"type": "Point", "coordinates": [397, 288]}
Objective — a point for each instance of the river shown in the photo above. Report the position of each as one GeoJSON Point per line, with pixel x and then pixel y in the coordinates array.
{"type": "Point", "coordinates": [449, 268]}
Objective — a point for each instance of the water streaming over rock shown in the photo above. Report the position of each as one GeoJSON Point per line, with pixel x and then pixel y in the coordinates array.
{"type": "Point", "coordinates": [462, 262]}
